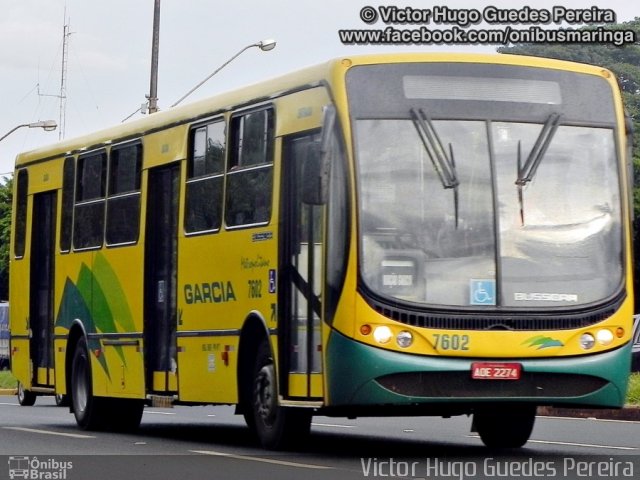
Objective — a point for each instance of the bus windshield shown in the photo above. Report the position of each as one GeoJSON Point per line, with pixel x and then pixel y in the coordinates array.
{"type": "Point", "coordinates": [516, 209]}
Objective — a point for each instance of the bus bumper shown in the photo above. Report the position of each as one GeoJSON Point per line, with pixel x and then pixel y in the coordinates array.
{"type": "Point", "coordinates": [362, 375]}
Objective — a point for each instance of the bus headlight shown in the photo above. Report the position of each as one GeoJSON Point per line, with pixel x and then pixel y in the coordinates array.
{"type": "Point", "coordinates": [382, 334]}
{"type": "Point", "coordinates": [404, 339]}
{"type": "Point", "coordinates": [604, 337]}
{"type": "Point", "coordinates": [587, 341]}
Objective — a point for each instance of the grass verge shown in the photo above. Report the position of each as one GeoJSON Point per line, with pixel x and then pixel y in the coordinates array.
{"type": "Point", "coordinates": [7, 380]}
{"type": "Point", "coordinates": [633, 396]}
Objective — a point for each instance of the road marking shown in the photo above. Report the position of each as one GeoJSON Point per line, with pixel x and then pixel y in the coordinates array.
{"type": "Point", "coordinates": [587, 445]}
{"type": "Point", "coordinates": [332, 425]}
{"type": "Point", "coordinates": [611, 420]}
{"type": "Point", "coordinates": [263, 460]}
{"type": "Point", "coordinates": [159, 413]}
{"type": "Point", "coordinates": [11, 404]}
{"type": "Point", "coordinates": [571, 444]}
{"type": "Point", "coordinates": [49, 432]}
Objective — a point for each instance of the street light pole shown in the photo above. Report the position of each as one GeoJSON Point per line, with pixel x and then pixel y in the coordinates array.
{"type": "Point", "coordinates": [264, 45]}
{"type": "Point", "coordinates": [155, 47]}
{"type": "Point", "coordinates": [47, 125]}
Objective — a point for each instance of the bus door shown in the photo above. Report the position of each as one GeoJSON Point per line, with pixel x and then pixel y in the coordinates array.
{"type": "Point", "coordinates": [161, 250]}
{"type": "Point", "coordinates": [43, 233]}
{"type": "Point", "coordinates": [300, 282]}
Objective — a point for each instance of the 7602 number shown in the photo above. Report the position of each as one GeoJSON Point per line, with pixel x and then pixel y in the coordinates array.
{"type": "Point", "coordinates": [451, 342]}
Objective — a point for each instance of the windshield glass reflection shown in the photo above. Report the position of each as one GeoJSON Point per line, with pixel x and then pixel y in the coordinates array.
{"type": "Point", "coordinates": [483, 236]}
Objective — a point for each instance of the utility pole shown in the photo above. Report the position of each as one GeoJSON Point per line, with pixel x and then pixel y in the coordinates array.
{"type": "Point", "coordinates": [155, 47]}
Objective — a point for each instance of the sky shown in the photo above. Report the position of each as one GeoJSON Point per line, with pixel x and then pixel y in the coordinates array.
{"type": "Point", "coordinates": [109, 52]}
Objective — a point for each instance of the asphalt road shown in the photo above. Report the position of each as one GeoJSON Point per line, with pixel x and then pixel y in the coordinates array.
{"type": "Point", "coordinates": [212, 443]}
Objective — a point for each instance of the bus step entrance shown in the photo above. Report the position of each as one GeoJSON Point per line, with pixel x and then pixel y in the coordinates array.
{"type": "Point", "coordinates": [161, 401]}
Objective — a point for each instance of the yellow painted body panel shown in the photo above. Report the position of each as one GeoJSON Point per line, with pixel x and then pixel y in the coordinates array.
{"type": "Point", "coordinates": [208, 368]}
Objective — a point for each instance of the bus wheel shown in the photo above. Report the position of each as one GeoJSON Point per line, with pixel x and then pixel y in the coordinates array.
{"type": "Point", "coordinates": [62, 400]}
{"type": "Point", "coordinates": [276, 427]}
{"type": "Point", "coordinates": [510, 428]}
{"type": "Point", "coordinates": [26, 398]}
{"type": "Point", "coordinates": [87, 409]}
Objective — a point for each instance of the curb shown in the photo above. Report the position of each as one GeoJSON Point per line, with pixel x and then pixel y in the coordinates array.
{"type": "Point", "coordinates": [8, 391]}
{"type": "Point", "coordinates": [629, 413]}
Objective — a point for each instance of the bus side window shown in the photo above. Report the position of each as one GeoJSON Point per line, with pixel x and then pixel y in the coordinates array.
{"type": "Point", "coordinates": [21, 213]}
{"type": "Point", "coordinates": [250, 173]}
{"type": "Point", "coordinates": [205, 177]}
{"type": "Point", "coordinates": [66, 213]}
{"type": "Point", "coordinates": [123, 201]}
{"type": "Point", "coordinates": [88, 215]}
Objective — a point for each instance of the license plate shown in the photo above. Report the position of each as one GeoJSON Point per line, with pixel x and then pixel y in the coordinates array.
{"type": "Point", "coordinates": [495, 371]}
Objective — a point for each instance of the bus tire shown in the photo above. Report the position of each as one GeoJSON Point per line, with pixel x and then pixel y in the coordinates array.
{"type": "Point", "coordinates": [509, 428]}
{"type": "Point", "coordinates": [276, 427]}
{"type": "Point", "coordinates": [62, 400]}
{"type": "Point", "coordinates": [26, 398]}
{"type": "Point", "coordinates": [89, 411]}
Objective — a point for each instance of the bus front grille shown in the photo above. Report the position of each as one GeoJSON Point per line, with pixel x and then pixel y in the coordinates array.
{"type": "Point", "coordinates": [559, 320]}
{"type": "Point", "coordinates": [461, 385]}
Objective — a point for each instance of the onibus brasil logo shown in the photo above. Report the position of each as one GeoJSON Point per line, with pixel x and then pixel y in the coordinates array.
{"type": "Point", "coordinates": [33, 468]}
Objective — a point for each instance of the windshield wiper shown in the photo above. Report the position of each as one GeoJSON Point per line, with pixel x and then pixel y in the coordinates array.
{"type": "Point", "coordinates": [444, 165]}
{"type": "Point", "coordinates": [527, 171]}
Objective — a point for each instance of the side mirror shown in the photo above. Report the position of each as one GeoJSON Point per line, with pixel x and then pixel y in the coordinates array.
{"type": "Point", "coordinates": [317, 164]}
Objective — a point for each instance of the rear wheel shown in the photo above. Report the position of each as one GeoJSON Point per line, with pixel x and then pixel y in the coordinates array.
{"type": "Point", "coordinates": [509, 428]}
{"type": "Point", "coordinates": [26, 398]}
{"type": "Point", "coordinates": [276, 426]}
{"type": "Point", "coordinates": [90, 411]}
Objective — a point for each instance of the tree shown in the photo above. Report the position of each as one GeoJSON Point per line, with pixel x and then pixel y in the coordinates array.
{"type": "Point", "coordinates": [6, 196]}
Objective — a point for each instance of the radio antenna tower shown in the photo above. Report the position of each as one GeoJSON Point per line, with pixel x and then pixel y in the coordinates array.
{"type": "Point", "coordinates": [63, 79]}
{"type": "Point", "coordinates": [62, 96]}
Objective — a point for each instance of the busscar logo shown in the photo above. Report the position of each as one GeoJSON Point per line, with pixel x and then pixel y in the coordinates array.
{"type": "Point", "coordinates": [38, 469]}
{"type": "Point", "coordinates": [545, 297]}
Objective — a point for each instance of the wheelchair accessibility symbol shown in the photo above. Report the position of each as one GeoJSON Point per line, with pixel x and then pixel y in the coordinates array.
{"type": "Point", "coordinates": [482, 292]}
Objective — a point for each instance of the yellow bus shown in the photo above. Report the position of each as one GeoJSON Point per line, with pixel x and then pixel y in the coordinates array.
{"type": "Point", "coordinates": [406, 234]}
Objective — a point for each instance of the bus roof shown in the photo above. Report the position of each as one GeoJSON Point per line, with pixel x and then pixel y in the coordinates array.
{"type": "Point", "coordinates": [263, 91]}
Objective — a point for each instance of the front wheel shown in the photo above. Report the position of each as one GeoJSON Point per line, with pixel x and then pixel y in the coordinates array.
{"type": "Point", "coordinates": [277, 427]}
{"type": "Point", "coordinates": [26, 398]}
{"type": "Point", "coordinates": [509, 428]}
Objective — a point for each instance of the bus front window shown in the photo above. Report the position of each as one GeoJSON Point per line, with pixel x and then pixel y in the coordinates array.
{"type": "Point", "coordinates": [492, 239]}
{"type": "Point", "coordinates": [419, 242]}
